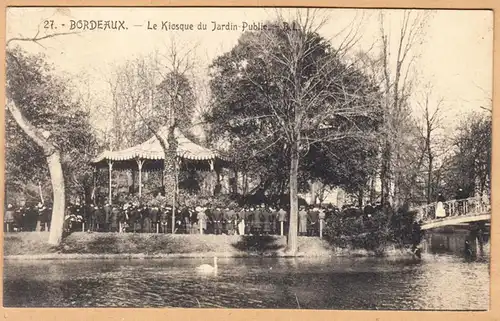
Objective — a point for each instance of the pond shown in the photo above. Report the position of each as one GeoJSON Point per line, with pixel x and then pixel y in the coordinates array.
{"type": "Point", "coordinates": [444, 279]}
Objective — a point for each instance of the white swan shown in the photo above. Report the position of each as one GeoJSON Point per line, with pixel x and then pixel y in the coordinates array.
{"type": "Point", "coordinates": [207, 268]}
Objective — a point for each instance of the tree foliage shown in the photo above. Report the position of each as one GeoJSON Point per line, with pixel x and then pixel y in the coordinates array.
{"type": "Point", "coordinates": [47, 102]}
{"type": "Point", "coordinates": [252, 112]}
{"type": "Point", "coordinates": [469, 165]}
{"type": "Point", "coordinates": [176, 92]}
{"type": "Point", "coordinates": [284, 91]}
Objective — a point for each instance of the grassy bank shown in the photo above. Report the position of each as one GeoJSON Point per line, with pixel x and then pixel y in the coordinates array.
{"type": "Point", "coordinates": [127, 245]}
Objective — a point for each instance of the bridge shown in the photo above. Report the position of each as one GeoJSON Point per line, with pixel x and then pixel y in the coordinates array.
{"type": "Point", "coordinates": [457, 212]}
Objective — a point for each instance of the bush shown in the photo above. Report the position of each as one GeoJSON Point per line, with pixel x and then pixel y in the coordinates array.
{"type": "Point", "coordinates": [384, 227]}
{"type": "Point", "coordinates": [405, 230]}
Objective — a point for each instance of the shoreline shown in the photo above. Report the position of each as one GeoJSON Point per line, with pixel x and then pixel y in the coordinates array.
{"type": "Point", "coordinates": [117, 246]}
{"type": "Point", "coordinates": [140, 256]}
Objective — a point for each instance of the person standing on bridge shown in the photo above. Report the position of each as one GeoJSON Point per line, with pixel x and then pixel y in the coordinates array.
{"type": "Point", "coordinates": [440, 212]}
{"type": "Point", "coordinates": [461, 201]}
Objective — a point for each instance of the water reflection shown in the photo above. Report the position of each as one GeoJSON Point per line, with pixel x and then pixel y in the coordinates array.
{"type": "Point", "coordinates": [455, 244]}
{"type": "Point", "coordinates": [443, 279]}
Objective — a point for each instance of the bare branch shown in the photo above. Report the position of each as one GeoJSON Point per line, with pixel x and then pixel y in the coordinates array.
{"type": "Point", "coordinates": [36, 38]}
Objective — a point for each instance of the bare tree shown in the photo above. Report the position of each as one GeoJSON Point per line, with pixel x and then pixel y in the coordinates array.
{"type": "Point", "coordinates": [396, 76]}
{"type": "Point", "coordinates": [432, 121]}
{"type": "Point", "coordinates": [155, 93]}
{"type": "Point", "coordinates": [306, 108]}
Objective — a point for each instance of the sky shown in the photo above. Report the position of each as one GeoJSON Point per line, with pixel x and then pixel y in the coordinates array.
{"type": "Point", "coordinates": [455, 56]}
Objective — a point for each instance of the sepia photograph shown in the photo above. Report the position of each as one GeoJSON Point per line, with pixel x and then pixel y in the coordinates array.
{"type": "Point", "coordinates": [248, 158]}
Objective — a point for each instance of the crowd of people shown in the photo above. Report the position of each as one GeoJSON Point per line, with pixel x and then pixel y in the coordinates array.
{"type": "Point", "coordinates": [27, 218]}
{"type": "Point", "coordinates": [134, 217]}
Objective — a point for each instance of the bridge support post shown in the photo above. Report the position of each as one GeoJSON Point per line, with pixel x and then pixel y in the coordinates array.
{"type": "Point", "coordinates": [321, 223]}
{"type": "Point", "coordinates": [471, 242]}
{"type": "Point", "coordinates": [480, 236]}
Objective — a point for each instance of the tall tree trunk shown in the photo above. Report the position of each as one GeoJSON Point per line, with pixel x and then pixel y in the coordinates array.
{"type": "Point", "coordinates": [292, 243]}
{"type": "Point", "coordinates": [58, 191]}
{"type": "Point", "coordinates": [53, 157]}
{"type": "Point", "coordinates": [361, 195]}
{"type": "Point", "coordinates": [218, 186]}
{"type": "Point", "coordinates": [372, 189]}
{"type": "Point", "coordinates": [429, 180]}
{"type": "Point", "coordinates": [395, 194]}
{"type": "Point", "coordinates": [245, 183]}
{"type": "Point", "coordinates": [169, 178]}
{"type": "Point", "coordinates": [385, 173]}
{"type": "Point", "coordinates": [169, 172]}
{"type": "Point", "coordinates": [234, 187]}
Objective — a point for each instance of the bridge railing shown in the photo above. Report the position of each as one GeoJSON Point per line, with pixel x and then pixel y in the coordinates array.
{"type": "Point", "coordinates": [453, 208]}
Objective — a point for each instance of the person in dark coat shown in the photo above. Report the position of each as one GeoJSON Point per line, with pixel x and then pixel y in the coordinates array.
{"type": "Point", "coordinates": [282, 219]}
{"type": "Point", "coordinates": [87, 216]}
{"type": "Point", "coordinates": [45, 217]}
{"type": "Point", "coordinates": [144, 220]}
{"type": "Point", "coordinates": [266, 220]}
{"type": "Point", "coordinates": [209, 218]}
{"type": "Point", "coordinates": [140, 218]}
{"type": "Point", "coordinates": [468, 251]}
{"type": "Point", "coordinates": [49, 216]}
{"type": "Point", "coordinates": [222, 224]}
{"type": "Point", "coordinates": [113, 219]}
{"type": "Point", "coordinates": [18, 219]}
{"type": "Point", "coordinates": [100, 218]}
{"type": "Point", "coordinates": [92, 221]}
{"type": "Point", "coordinates": [193, 219]}
{"type": "Point", "coordinates": [185, 225]}
{"type": "Point", "coordinates": [313, 221]}
{"type": "Point", "coordinates": [249, 226]}
{"type": "Point", "coordinates": [68, 216]}
{"type": "Point", "coordinates": [234, 220]}
{"type": "Point", "coordinates": [179, 228]}
{"type": "Point", "coordinates": [40, 219]}
{"type": "Point", "coordinates": [154, 212]}
{"type": "Point", "coordinates": [218, 216]}
{"type": "Point", "coordinates": [228, 221]}
{"type": "Point", "coordinates": [31, 217]}
{"type": "Point", "coordinates": [257, 221]}
{"type": "Point", "coordinates": [80, 217]}
{"type": "Point", "coordinates": [416, 235]}
{"type": "Point", "coordinates": [128, 218]}
{"type": "Point", "coordinates": [162, 218]}
{"type": "Point", "coordinates": [165, 218]}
